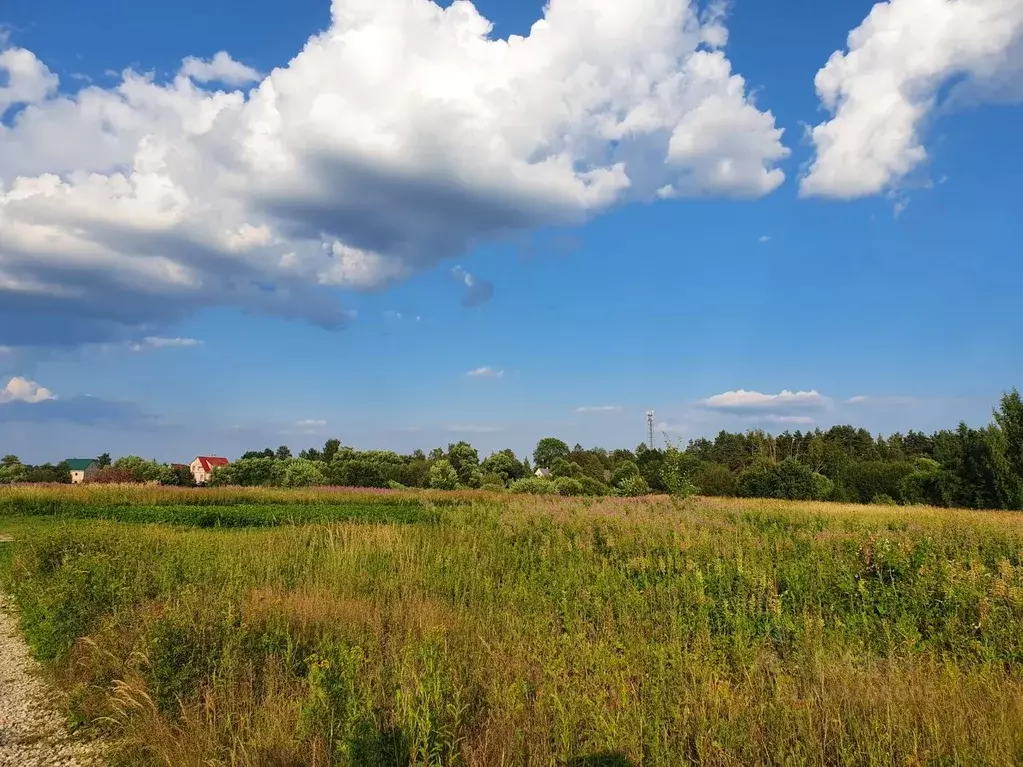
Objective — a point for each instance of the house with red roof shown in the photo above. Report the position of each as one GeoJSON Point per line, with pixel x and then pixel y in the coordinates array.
{"type": "Point", "coordinates": [203, 466]}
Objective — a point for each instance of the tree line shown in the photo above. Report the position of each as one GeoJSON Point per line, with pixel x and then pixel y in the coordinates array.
{"type": "Point", "coordinates": [965, 467]}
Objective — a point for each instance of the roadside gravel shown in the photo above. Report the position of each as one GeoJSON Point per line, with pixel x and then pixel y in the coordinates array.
{"type": "Point", "coordinates": [32, 733]}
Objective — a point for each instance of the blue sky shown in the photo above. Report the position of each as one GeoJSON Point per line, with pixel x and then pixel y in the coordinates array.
{"type": "Point", "coordinates": [332, 249]}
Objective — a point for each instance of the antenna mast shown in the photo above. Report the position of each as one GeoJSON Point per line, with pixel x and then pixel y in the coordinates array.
{"type": "Point", "coordinates": [650, 427]}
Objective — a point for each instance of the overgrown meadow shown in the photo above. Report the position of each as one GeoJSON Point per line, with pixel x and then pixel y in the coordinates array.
{"type": "Point", "coordinates": [258, 627]}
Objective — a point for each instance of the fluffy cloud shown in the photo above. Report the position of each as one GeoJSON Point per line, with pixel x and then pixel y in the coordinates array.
{"type": "Point", "coordinates": [881, 90]}
{"type": "Point", "coordinates": [400, 136]}
{"type": "Point", "coordinates": [599, 409]}
{"type": "Point", "coordinates": [485, 372]}
{"type": "Point", "coordinates": [28, 79]}
{"type": "Point", "coordinates": [742, 401]}
{"type": "Point", "coordinates": [20, 389]}
{"type": "Point", "coordinates": [221, 68]}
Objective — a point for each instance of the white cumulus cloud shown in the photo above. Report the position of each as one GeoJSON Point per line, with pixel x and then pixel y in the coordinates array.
{"type": "Point", "coordinates": [20, 389]}
{"type": "Point", "coordinates": [881, 90]}
{"type": "Point", "coordinates": [221, 68]}
{"type": "Point", "coordinates": [402, 135]}
{"type": "Point", "coordinates": [28, 79]}
{"type": "Point", "coordinates": [599, 409]}
{"type": "Point", "coordinates": [485, 372]}
{"type": "Point", "coordinates": [741, 400]}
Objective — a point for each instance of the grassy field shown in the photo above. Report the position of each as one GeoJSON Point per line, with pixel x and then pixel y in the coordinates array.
{"type": "Point", "coordinates": [437, 629]}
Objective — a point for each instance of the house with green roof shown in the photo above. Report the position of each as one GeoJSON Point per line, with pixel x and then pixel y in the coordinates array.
{"type": "Point", "coordinates": [81, 468]}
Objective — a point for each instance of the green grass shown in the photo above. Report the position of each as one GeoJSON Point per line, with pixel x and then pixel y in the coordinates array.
{"type": "Point", "coordinates": [515, 631]}
{"type": "Point", "coordinates": [213, 508]}
{"type": "Point", "coordinates": [243, 516]}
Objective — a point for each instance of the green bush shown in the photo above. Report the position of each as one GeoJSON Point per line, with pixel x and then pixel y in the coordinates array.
{"type": "Point", "coordinates": [823, 487]}
{"type": "Point", "coordinates": [923, 486]}
{"type": "Point", "coordinates": [632, 486]}
{"type": "Point", "coordinates": [569, 486]}
{"type": "Point", "coordinates": [534, 486]}
{"type": "Point", "coordinates": [676, 473]}
{"type": "Point", "coordinates": [443, 475]}
{"type": "Point", "coordinates": [883, 500]}
{"type": "Point", "coordinates": [594, 487]}
{"type": "Point", "coordinates": [358, 473]}
{"type": "Point", "coordinates": [788, 480]}
{"type": "Point", "coordinates": [623, 471]}
{"type": "Point", "coordinates": [866, 479]}
{"type": "Point", "coordinates": [714, 479]}
{"type": "Point", "coordinates": [493, 479]}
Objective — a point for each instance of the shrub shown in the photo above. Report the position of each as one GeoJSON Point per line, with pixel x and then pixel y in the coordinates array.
{"type": "Point", "coordinates": [676, 473]}
{"type": "Point", "coordinates": [632, 486]}
{"type": "Point", "coordinates": [360, 473]}
{"type": "Point", "coordinates": [623, 471]}
{"type": "Point", "coordinates": [493, 479]}
{"type": "Point", "coordinates": [534, 486]}
{"type": "Point", "coordinates": [923, 486]}
{"type": "Point", "coordinates": [112, 475]}
{"type": "Point", "coordinates": [866, 479]}
{"type": "Point", "coordinates": [714, 479]}
{"type": "Point", "coordinates": [823, 487]}
{"type": "Point", "coordinates": [594, 487]}
{"type": "Point", "coordinates": [883, 500]}
{"type": "Point", "coordinates": [11, 473]}
{"type": "Point", "coordinates": [789, 480]}
{"type": "Point", "coordinates": [568, 486]}
{"type": "Point", "coordinates": [443, 475]}
{"type": "Point", "coordinates": [301, 472]}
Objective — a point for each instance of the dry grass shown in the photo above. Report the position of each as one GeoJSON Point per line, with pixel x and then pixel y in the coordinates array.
{"type": "Point", "coordinates": [535, 631]}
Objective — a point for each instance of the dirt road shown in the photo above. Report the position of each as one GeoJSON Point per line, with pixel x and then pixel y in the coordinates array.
{"type": "Point", "coordinates": [32, 733]}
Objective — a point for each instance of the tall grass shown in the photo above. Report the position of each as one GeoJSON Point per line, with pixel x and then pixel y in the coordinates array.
{"type": "Point", "coordinates": [543, 632]}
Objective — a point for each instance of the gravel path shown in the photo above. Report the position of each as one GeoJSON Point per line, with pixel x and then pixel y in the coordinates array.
{"type": "Point", "coordinates": [32, 734]}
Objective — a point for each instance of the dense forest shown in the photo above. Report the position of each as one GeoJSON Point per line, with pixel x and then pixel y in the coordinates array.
{"type": "Point", "coordinates": [965, 467]}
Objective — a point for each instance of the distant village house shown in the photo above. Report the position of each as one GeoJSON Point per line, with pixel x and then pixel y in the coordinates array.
{"type": "Point", "coordinates": [203, 466]}
{"type": "Point", "coordinates": [81, 468]}
{"type": "Point", "coordinates": [543, 473]}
